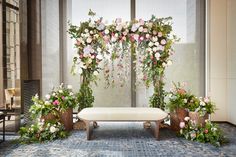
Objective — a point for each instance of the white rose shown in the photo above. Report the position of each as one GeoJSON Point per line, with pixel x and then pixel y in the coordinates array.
{"type": "Point", "coordinates": [71, 93]}
{"type": "Point", "coordinates": [99, 57]}
{"type": "Point", "coordinates": [91, 32]}
{"type": "Point", "coordinates": [95, 73]}
{"type": "Point", "coordinates": [154, 39]}
{"type": "Point", "coordinates": [202, 103]}
{"type": "Point", "coordinates": [169, 62]}
{"type": "Point", "coordinates": [99, 49]}
{"type": "Point", "coordinates": [186, 118]}
{"type": "Point", "coordinates": [163, 41]}
{"type": "Point", "coordinates": [52, 129]}
{"type": "Point", "coordinates": [116, 35]}
{"type": "Point", "coordinates": [157, 43]}
{"type": "Point", "coordinates": [86, 30]}
{"type": "Point", "coordinates": [147, 36]}
{"type": "Point", "coordinates": [47, 96]}
{"type": "Point", "coordinates": [89, 40]}
{"type": "Point", "coordinates": [164, 64]}
{"type": "Point", "coordinates": [140, 29]}
{"type": "Point", "coordinates": [69, 86]}
{"type": "Point", "coordinates": [154, 49]}
{"type": "Point", "coordinates": [106, 31]}
{"type": "Point", "coordinates": [150, 44]}
{"type": "Point", "coordinates": [60, 91]}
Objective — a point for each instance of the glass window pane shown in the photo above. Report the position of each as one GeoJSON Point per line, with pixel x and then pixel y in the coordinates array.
{"type": "Point", "coordinates": [109, 10]}
{"type": "Point", "coordinates": [188, 61]}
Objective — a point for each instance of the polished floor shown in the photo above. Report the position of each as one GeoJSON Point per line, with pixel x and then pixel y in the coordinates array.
{"type": "Point", "coordinates": [121, 139]}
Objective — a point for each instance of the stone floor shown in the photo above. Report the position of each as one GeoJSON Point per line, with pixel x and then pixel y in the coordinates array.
{"type": "Point", "coordinates": [121, 139]}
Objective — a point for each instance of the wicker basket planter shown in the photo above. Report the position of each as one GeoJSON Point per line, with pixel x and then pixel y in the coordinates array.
{"type": "Point", "coordinates": [66, 118]}
{"type": "Point", "coordinates": [176, 117]}
{"type": "Point", "coordinates": [48, 117]}
{"type": "Point", "coordinates": [199, 120]}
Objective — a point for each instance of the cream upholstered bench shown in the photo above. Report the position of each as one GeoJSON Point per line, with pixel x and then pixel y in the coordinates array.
{"type": "Point", "coordinates": [89, 115]}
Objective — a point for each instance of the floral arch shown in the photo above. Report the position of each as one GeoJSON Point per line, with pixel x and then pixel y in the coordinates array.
{"type": "Point", "coordinates": [98, 44]}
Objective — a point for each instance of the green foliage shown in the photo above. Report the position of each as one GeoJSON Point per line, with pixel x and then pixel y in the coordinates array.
{"type": "Point", "coordinates": [178, 97]}
{"type": "Point", "coordinates": [210, 133]}
{"type": "Point", "coordinates": [42, 131]}
{"type": "Point", "coordinates": [85, 97]}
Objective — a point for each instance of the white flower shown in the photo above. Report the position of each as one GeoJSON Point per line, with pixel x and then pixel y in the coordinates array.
{"type": "Point", "coordinates": [157, 55]}
{"type": "Point", "coordinates": [169, 62]}
{"type": "Point", "coordinates": [86, 30]}
{"type": "Point", "coordinates": [116, 35]}
{"type": "Point", "coordinates": [71, 93]}
{"type": "Point", "coordinates": [99, 49]}
{"type": "Point", "coordinates": [149, 49]}
{"type": "Point", "coordinates": [52, 129]}
{"type": "Point", "coordinates": [186, 118]}
{"type": "Point", "coordinates": [36, 96]}
{"type": "Point", "coordinates": [119, 27]}
{"type": "Point", "coordinates": [47, 102]}
{"type": "Point", "coordinates": [182, 125]}
{"type": "Point", "coordinates": [113, 39]}
{"type": "Point", "coordinates": [185, 100]}
{"type": "Point", "coordinates": [164, 64]}
{"type": "Point", "coordinates": [150, 44]}
{"type": "Point", "coordinates": [157, 43]}
{"type": "Point", "coordinates": [80, 71]}
{"type": "Point", "coordinates": [47, 96]}
{"type": "Point", "coordinates": [159, 34]}
{"type": "Point", "coordinates": [154, 49]}
{"type": "Point", "coordinates": [95, 73]}
{"type": "Point", "coordinates": [69, 86]}
{"type": "Point", "coordinates": [147, 36]}
{"type": "Point", "coordinates": [89, 40]}
{"type": "Point", "coordinates": [202, 103]}
{"type": "Point", "coordinates": [91, 32]}
{"type": "Point", "coordinates": [53, 94]}
{"type": "Point", "coordinates": [140, 29]}
{"type": "Point", "coordinates": [60, 91]}
{"type": "Point", "coordinates": [154, 39]}
{"type": "Point", "coordinates": [106, 31]}
{"type": "Point", "coordinates": [99, 57]}
{"type": "Point", "coordinates": [163, 42]}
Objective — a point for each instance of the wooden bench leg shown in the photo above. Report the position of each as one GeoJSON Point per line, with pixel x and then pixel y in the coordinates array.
{"type": "Point", "coordinates": [156, 130]}
{"type": "Point", "coordinates": [88, 130]}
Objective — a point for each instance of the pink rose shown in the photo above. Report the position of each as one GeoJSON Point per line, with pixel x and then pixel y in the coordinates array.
{"type": "Point", "coordinates": [63, 97]}
{"type": "Point", "coordinates": [181, 125]}
{"type": "Point", "coordinates": [56, 102]}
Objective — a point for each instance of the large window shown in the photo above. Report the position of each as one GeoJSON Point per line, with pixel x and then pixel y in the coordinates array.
{"type": "Point", "coordinates": [188, 25]}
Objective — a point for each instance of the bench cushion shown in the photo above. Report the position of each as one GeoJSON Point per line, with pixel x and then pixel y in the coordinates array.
{"type": "Point", "coordinates": [122, 114]}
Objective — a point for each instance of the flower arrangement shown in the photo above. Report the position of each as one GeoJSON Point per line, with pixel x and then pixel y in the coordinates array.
{"type": "Point", "coordinates": [62, 98]}
{"type": "Point", "coordinates": [179, 97]}
{"type": "Point", "coordinates": [42, 131]}
{"type": "Point", "coordinates": [209, 133]}
{"type": "Point", "coordinates": [150, 43]}
{"type": "Point", "coordinates": [201, 105]}
{"type": "Point", "coordinates": [47, 116]}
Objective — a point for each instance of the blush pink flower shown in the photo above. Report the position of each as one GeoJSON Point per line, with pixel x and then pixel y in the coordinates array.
{"type": "Point", "coordinates": [63, 97]}
{"type": "Point", "coordinates": [182, 125]}
{"type": "Point", "coordinates": [56, 102]}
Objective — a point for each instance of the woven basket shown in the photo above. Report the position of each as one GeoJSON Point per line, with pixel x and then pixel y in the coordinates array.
{"type": "Point", "coordinates": [66, 118]}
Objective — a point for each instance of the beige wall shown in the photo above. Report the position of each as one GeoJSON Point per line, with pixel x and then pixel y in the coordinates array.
{"type": "Point", "coordinates": [1, 64]}
{"type": "Point", "coordinates": [222, 58]}
{"type": "Point", "coordinates": [231, 60]}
